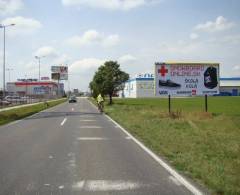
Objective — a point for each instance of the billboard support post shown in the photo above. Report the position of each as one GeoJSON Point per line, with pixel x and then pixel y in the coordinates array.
{"type": "Point", "coordinates": [169, 104]}
{"type": "Point", "coordinates": [206, 103]}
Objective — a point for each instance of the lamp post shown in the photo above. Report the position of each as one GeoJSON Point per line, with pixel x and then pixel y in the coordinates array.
{"type": "Point", "coordinates": [39, 62]}
{"type": "Point", "coordinates": [4, 57]}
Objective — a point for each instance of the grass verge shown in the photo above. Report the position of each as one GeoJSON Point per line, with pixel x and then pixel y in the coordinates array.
{"type": "Point", "coordinates": [19, 113]}
{"type": "Point", "coordinates": [203, 146]}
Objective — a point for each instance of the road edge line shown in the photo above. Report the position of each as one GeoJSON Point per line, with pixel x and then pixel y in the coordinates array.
{"type": "Point", "coordinates": [171, 170]}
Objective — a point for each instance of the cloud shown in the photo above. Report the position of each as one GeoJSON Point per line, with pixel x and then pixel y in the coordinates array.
{"type": "Point", "coordinates": [93, 37]}
{"type": "Point", "coordinates": [237, 68]}
{"type": "Point", "coordinates": [220, 24]}
{"type": "Point", "coordinates": [194, 36]}
{"type": "Point", "coordinates": [46, 51]}
{"type": "Point", "coordinates": [85, 65]}
{"type": "Point", "coordinates": [126, 59]}
{"type": "Point", "coordinates": [109, 4]}
{"type": "Point", "coordinates": [22, 25]}
{"type": "Point", "coordinates": [10, 6]}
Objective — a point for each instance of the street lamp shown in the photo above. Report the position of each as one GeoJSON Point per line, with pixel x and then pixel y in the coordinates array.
{"type": "Point", "coordinates": [4, 46]}
{"type": "Point", "coordinates": [9, 76]}
{"type": "Point", "coordinates": [39, 61]}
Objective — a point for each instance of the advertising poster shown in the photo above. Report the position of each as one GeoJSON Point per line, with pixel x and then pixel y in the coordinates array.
{"type": "Point", "coordinates": [186, 79]}
{"type": "Point", "coordinates": [61, 70]}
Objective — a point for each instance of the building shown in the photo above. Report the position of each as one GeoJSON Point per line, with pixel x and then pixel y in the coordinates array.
{"type": "Point", "coordinates": [30, 87]}
{"type": "Point", "coordinates": [230, 86]}
{"type": "Point", "coordinates": [140, 86]}
{"type": "Point", "coordinates": [143, 86]}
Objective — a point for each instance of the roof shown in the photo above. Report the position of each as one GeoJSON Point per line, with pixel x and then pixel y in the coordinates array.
{"type": "Point", "coordinates": [190, 63]}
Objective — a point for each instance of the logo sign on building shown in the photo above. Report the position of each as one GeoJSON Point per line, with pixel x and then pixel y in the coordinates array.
{"type": "Point", "coordinates": [186, 79]}
{"type": "Point", "coordinates": [62, 70]}
{"type": "Point", "coordinates": [45, 79]}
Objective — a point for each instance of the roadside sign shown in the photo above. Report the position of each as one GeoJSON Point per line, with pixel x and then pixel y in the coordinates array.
{"type": "Point", "coordinates": [186, 79]}
{"type": "Point", "coordinates": [61, 70]}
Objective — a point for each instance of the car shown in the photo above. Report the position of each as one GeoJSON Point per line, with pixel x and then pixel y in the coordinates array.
{"type": "Point", "coordinates": [72, 99]}
{"type": "Point", "coordinates": [15, 99]}
{"type": "Point", "coordinates": [4, 103]}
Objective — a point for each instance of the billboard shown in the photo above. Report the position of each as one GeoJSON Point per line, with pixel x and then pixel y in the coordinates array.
{"type": "Point", "coordinates": [186, 79]}
{"type": "Point", "coordinates": [55, 76]}
{"type": "Point", "coordinates": [61, 70]}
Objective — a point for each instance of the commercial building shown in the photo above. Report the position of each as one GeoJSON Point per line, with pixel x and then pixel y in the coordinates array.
{"type": "Point", "coordinates": [143, 86]}
{"type": "Point", "coordinates": [25, 87]}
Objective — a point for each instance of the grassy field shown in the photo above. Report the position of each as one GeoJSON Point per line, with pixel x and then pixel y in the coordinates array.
{"type": "Point", "coordinates": [18, 113]}
{"type": "Point", "coordinates": [203, 146]}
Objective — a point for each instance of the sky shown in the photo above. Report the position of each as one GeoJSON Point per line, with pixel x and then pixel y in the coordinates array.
{"type": "Point", "coordinates": [83, 34]}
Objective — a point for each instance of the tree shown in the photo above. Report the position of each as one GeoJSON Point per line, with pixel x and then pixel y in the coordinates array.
{"type": "Point", "coordinates": [108, 80]}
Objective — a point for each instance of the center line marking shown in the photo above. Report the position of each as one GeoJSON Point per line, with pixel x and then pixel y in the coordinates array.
{"type": "Point", "coordinates": [64, 120]}
{"type": "Point", "coordinates": [90, 127]}
{"type": "Point", "coordinates": [105, 185]}
{"type": "Point", "coordinates": [87, 120]}
{"type": "Point", "coordinates": [91, 138]}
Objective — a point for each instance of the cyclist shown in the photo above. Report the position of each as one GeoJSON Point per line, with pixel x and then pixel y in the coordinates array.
{"type": "Point", "coordinates": [100, 101]}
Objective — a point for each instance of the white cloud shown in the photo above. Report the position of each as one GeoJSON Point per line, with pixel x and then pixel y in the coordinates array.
{"type": "Point", "coordinates": [22, 25]}
{"type": "Point", "coordinates": [237, 68]}
{"type": "Point", "coordinates": [84, 65]}
{"type": "Point", "coordinates": [220, 24]}
{"type": "Point", "coordinates": [194, 36]}
{"type": "Point", "coordinates": [126, 59]}
{"type": "Point", "coordinates": [109, 4]}
{"type": "Point", "coordinates": [92, 37]}
{"type": "Point", "coordinates": [46, 51]}
{"type": "Point", "coordinates": [10, 6]}
{"type": "Point", "coordinates": [62, 59]}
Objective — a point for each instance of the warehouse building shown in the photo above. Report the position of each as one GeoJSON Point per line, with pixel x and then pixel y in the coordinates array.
{"type": "Point", "coordinates": [143, 86]}
{"type": "Point", "coordinates": [25, 87]}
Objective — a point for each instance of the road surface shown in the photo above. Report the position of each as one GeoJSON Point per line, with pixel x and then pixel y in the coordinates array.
{"type": "Point", "coordinates": [72, 149]}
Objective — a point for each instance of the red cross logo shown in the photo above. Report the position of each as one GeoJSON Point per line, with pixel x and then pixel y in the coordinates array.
{"type": "Point", "coordinates": [163, 71]}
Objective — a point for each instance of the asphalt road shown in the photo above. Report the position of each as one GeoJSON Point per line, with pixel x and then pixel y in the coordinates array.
{"type": "Point", "coordinates": [72, 149]}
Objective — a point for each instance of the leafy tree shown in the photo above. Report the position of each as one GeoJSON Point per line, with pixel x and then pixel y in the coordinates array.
{"type": "Point", "coordinates": [108, 80]}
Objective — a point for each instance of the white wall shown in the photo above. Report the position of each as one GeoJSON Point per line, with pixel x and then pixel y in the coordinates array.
{"type": "Point", "coordinates": [145, 88]}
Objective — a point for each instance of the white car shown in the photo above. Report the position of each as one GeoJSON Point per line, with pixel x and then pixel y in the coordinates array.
{"type": "Point", "coordinates": [15, 99]}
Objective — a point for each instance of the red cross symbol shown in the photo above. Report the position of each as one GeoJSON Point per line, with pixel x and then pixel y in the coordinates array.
{"type": "Point", "coordinates": [163, 71]}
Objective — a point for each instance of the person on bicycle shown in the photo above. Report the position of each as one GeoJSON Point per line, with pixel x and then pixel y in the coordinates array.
{"type": "Point", "coordinates": [100, 101]}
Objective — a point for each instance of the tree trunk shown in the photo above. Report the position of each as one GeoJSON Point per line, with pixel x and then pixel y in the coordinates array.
{"type": "Point", "coordinates": [110, 99]}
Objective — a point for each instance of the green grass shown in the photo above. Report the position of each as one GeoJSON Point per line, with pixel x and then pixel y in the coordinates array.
{"type": "Point", "coordinates": [204, 146]}
{"type": "Point", "coordinates": [19, 113]}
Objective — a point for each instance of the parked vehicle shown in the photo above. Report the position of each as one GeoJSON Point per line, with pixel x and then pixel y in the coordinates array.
{"type": "Point", "coordinates": [16, 99]}
{"type": "Point", "coordinates": [4, 103]}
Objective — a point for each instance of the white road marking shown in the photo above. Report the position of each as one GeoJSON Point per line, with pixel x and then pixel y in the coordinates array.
{"type": "Point", "coordinates": [64, 120]}
{"type": "Point", "coordinates": [90, 127]}
{"type": "Point", "coordinates": [72, 109]}
{"type": "Point", "coordinates": [91, 138]}
{"type": "Point", "coordinates": [60, 187]}
{"type": "Point", "coordinates": [174, 180]}
{"type": "Point", "coordinates": [105, 185]}
{"type": "Point", "coordinates": [47, 184]}
{"type": "Point", "coordinates": [87, 116]}
{"type": "Point", "coordinates": [50, 157]}
{"type": "Point", "coordinates": [87, 120]}
{"type": "Point", "coordinates": [174, 173]}
{"type": "Point", "coordinates": [128, 137]}
{"type": "Point", "coordinates": [79, 185]}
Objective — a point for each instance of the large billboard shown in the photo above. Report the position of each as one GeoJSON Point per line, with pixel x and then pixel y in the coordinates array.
{"type": "Point", "coordinates": [186, 79]}
{"type": "Point", "coordinates": [61, 70]}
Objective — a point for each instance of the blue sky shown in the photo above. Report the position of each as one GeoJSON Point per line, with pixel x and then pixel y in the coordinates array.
{"type": "Point", "coordinates": [136, 33]}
